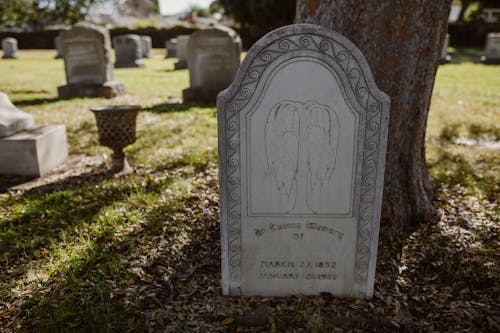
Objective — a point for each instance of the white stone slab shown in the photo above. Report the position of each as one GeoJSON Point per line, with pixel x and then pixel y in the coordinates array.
{"type": "Point", "coordinates": [9, 47]}
{"type": "Point", "coordinates": [147, 45]}
{"type": "Point", "coordinates": [492, 50]}
{"type": "Point", "coordinates": [12, 120]}
{"type": "Point", "coordinates": [33, 152]}
{"type": "Point", "coordinates": [445, 57]}
{"type": "Point", "coordinates": [302, 143]}
{"type": "Point", "coordinates": [182, 43]}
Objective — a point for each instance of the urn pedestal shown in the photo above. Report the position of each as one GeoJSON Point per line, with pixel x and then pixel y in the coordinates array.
{"type": "Point", "coordinates": [116, 127]}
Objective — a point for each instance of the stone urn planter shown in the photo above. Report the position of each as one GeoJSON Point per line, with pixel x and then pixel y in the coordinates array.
{"type": "Point", "coordinates": [116, 128]}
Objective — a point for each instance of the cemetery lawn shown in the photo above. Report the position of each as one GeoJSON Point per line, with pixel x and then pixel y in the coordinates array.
{"type": "Point", "coordinates": [83, 251]}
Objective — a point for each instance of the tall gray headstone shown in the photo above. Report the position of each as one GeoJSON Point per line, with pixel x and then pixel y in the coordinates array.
{"type": "Point", "coordinates": [492, 49]}
{"type": "Point", "coordinates": [147, 45]}
{"type": "Point", "coordinates": [128, 50]}
{"type": "Point", "coordinates": [445, 57]}
{"type": "Point", "coordinates": [87, 59]}
{"type": "Point", "coordinates": [302, 144]}
{"type": "Point", "coordinates": [182, 43]}
{"type": "Point", "coordinates": [57, 46]}
{"type": "Point", "coordinates": [9, 47]}
{"type": "Point", "coordinates": [213, 59]}
{"type": "Point", "coordinates": [171, 48]}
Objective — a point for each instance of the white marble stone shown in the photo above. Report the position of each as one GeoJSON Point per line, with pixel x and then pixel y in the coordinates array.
{"type": "Point", "coordinates": [182, 43]}
{"type": "Point", "coordinates": [302, 143]}
{"type": "Point", "coordinates": [171, 48]}
{"type": "Point", "coordinates": [33, 152]}
{"type": "Point", "coordinates": [492, 49]}
{"type": "Point", "coordinates": [128, 50]}
{"type": "Point", "coordinates": [57, 46]}
{"type": "Point", "coordinates": [147, 45]}
{"type": "Point", "coordinates": [213, 59]}
{"type": "Point", "coordinates": [9, 47]}
{"type": "Point", "coordinates": [445, 57]}
{"type": "Point", "coordinates": [12, 120]}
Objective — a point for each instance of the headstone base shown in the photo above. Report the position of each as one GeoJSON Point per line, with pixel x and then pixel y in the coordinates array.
{"type": "Point", "coordinates": [109, 89]}
{"type": "Point", "coordinates": [200, 95]}
{"type": "Point", "coordinates": [33, 152]}
{"type": "Point", "coordinates": [181, 64]}
{"type": "Point", "coordinates": [137, 63]}
{"type": "Point", "coordinates": [490, 61]}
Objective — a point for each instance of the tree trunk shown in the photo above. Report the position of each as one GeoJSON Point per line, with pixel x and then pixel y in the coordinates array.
{"type": "Point", "coordinates": [402, 42]}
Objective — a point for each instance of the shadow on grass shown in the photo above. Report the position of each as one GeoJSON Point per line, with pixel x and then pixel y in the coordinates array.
{"type": "Point", "coordinates": [461, 55]}
{"type": "Point", "coordinates": [39, 101]}
{"type": "Point", "coordinates": [174, 107]}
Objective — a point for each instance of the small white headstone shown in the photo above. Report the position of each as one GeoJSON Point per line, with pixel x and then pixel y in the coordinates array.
{"type": "Point", "coordinates": [302, 143]}
{"type": "Point", "coordinates": [182, 43]}
{"type": "Point", "coordinates": [171, 48]}
{"type": "Point", "coordinates": [57, 45]}
{"type": "Point", "coordinates": [213, 59]}
{"type": "Point", "coordinates": [12, 120]}
{"type": "Point", "coordinates": [492, 50]}
{"type": "Point", "coordinates": [445, 57]}
{"type": "Point", "coordinates": [147, 45]}
{"type": "Point", "coordinates": [128, 49]}
{"type": "Point", "coordinates": [9, 47]}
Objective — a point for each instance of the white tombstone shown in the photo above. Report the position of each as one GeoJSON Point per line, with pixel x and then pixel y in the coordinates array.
{"type": "Point", "coordinates": [26, 149]}
{"type": "Point", "coordinates": [57, 46]}
{"type": "Point", "coordinates": [12, 120]}
{"type": "Point", "coordinates": [171, 48]}
{"type": "Point", "coordinates": [182, 42]}
{"type": "Point", "coordinates": [445, 57]}
{"type": "Point", "coordinates": [128, 50]}
{"type": "Point", "coordinates": [213, 59]}
{"type": "Point", "coordinates": [87, 59]}
{"type": "Point", "coordinates": [147, 45]}
{"type": "Point", "coordinates": [492, 49]}
{"type": "Point", "coordinates": [9, 47]}
{"type": "Point", "coordinates": [302, 144]}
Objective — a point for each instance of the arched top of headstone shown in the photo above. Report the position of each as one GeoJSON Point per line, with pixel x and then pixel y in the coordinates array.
{"type": "Point", "coordinates": [214, 31]}
{"type": "Point", "coordinates": [331, 47]}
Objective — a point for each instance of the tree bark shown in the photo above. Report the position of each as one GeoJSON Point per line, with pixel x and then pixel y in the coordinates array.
{"type": "Point", "coordinates": [401, 41]}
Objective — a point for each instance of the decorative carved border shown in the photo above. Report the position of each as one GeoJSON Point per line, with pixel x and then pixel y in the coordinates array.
{"type": "Point", "coordinates": [334, 49]}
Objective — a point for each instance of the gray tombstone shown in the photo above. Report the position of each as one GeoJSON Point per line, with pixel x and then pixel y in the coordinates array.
{"type": "Point", "coordinates": [213, 59]}
{"type": "Point", "coordinates": [302, 143]}
{"type": "Point", "coordinates": [445, 57]}
{"type": "Point", "coordinates": [171, 48]}
{"type": "Point", "coordinates": [9, 47]}
{"type": "Point", "coordinates": [57, 45]}
{"type": "Point", "coordinates": [26, 149]}
{"type": "Point", "coordinates": [128, 50]}
{"type": "Point", "coordinates": [87, 59]}
{"type": "Point", "coordinates": [182, 43]}
{"type": "Point", "coordinates": [492, 49]}
{"type": "Point", "coordinates": [147, 45]}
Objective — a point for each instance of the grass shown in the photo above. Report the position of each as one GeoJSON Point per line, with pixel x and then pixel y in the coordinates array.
{"type": "Point", "coordinates": [87, 252]}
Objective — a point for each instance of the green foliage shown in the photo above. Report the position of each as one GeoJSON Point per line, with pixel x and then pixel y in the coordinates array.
{"type": "Point", "coordinates": [37, 14]}
{"type": "Point", "coordinates": [265, 14]}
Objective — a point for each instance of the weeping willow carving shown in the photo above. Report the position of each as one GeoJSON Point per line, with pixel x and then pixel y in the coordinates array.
{"type": "Point", "coordinates": [301, 149]}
